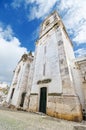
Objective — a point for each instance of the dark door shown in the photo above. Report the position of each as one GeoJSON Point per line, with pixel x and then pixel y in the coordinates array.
{"type": "Point", "coordinates": [43, 99]}
{"type": "Point", "coordinates": [22, 99]}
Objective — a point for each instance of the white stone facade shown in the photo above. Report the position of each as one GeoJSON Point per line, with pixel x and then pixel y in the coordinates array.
{"type": "Point", "coordinates": [81, 65]}
{"type": "Point", "coordinates": [50, 82]}
{"type": "Point", "coordinates": [20, 81]}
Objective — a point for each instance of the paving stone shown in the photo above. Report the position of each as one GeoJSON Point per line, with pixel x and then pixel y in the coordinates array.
{"type": "Point", "coordinates": [18, 120]}
{"type": "Point", "coordinates": [79, 128]}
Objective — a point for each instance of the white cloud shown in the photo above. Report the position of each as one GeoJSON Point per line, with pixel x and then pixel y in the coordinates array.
{"type": "Point", "coordinates": [10, 53]}
{"type": "Point", "coordinates": [80, 52]}
{"type": "Point", "coordinates": [7, 33]}
{"type": "Point", "coordinates": [75, 18]}
{"type": "Point", "coordinates": [42, 9]}
{"type": "Point", "coordinates": [80, 36]}
{"type": "Point", "coordinates": [39, 9]}
{"type": "Point", "coordinates": [16, 3]}
{"type": "Point", "coordinates": [74, 14]}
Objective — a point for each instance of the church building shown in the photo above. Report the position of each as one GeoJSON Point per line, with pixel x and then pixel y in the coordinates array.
{"type": "Point", "coordinates": [52, 81]}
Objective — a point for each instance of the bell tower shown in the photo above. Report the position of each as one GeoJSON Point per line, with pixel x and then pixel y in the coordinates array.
{"type": "Point", "coordinates": [53, 86]}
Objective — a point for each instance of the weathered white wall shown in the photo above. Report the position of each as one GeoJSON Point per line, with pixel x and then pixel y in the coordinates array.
{"type": "Point", "coordinates": [22, 84]}
{"type": "Point", "coordinates": [29, 86]}
{"type": "Point", "coordinates": [50, 59]}
{"type": "Point", "coordinates": [20, 81]}
{"type": "Point", "coordinates": [68, 48]}
{"type": "Point", "coordinates": [57, 61]}
{"type": "Point", "coordinates": [15, 82]}
{"type": "Point", "coordinates": [83, 76]}
{"type": "Point", "coordinates": [81, 68]}
{"type": "Point", "coordinates": [74, 73]}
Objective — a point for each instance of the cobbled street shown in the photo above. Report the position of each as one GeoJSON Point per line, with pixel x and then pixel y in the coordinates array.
{"type": "Point", "coordinates": [19, 120]}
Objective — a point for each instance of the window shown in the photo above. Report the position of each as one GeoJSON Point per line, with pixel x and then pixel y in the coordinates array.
{"type": "Point", "coordinates": [66, 70]}
{"type": "Point", "coordinates": [60, 43]}
{"type": "Point", "coordinates": [16, 75]}
{"type": "Point", "coordinates": [45, 50]}
{"type": "Point", "coordinates": [44, 69]}
{"type": "Point", "coordinates": [55, 16]}
{"type": "Point", "coordinates": [12, 93]}
{"type": "Point", "coordinates": [47, 23]}
{"type": "Point", "coordinates": [61, 61]}
{"type": "Point", "coordinates": [57, 27]}
{"type": "Point", "coordinates": [18, 70]}
{"type": "Point", "coordinates": [84, 77]}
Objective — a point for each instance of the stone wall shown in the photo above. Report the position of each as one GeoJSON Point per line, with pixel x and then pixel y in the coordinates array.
{"type": "Point", "coordinates": [20, 81]}
{"type": "Point", "coordinates": [54, 53]}
{"type": "Point", "coordinates": [81, 64]}
{"type": "Point", "coordinates": [29, 86]}
{"type": "Point", "coordinates": [64, 107]}
{"type": "Point", "coordinates": [33, 105]}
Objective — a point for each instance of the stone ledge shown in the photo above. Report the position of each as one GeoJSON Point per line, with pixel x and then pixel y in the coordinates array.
{"type": "Point", "coordinates": [34, 94]}
{"type": "Point", "coordinates": [79, 127]}
{"type": "Point", "coordinates": [54, 94]}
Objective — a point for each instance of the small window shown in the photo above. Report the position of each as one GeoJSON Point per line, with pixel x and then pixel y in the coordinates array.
{"type": "Point", "coordinates": [84, 76]}
{"type": "Point", "coordinates": [66, 70]}
{"type": "Point", "coordinates": [61, 61]}
{"type": "Point", "coordinates": [12, 93]}
{"type": "Point", "coordinates": [47, 23]}
{"type": "Point", "coordinates": [55, 16]}
{"type": "Point", "coordinates": [44, 69]}
{"type": "Point", "coordinates": [45, 49]}
{"type": "Point", "coordinates": [18, 70]}
{"type": "Point", "coordinates": [61, 70]}
{"type": "Point", "coordinates": [60, 43]}
{"type": "Point", "coordinates": [57, 27]}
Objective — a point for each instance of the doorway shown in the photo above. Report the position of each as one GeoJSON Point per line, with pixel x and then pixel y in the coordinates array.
{"type": "Point", "coordinates": [43, 100]}
{"type": "Point", "coordinates": [22, 99]}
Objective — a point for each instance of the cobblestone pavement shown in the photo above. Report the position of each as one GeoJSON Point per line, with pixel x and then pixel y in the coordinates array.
{"type": "Point", "coordinates": [18, 120]}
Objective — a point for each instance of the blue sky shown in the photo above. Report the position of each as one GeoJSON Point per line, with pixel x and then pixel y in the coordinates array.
{"type": "Point", "coordinates": [20, 25]}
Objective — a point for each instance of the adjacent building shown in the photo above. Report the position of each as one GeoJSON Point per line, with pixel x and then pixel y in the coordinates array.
{"type": "Point", "coordinates": [52, 81]}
